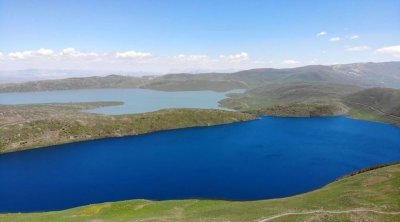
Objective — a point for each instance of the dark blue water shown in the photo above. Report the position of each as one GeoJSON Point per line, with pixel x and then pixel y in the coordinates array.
{"type": "Point", "coordinates": [267, 158]}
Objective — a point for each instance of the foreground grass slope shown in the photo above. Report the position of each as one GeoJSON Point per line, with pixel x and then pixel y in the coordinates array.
{"type": "Point", "coordinates": [31, 126]}
{"type": "Point", "coordinates": [369, 196]}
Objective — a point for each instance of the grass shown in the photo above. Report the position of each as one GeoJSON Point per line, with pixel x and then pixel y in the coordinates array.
{"type": "Point", "coordinates": [305, 100]}
{"type": "Point", "coordinates": [375, 104]}
{"type": "Point", "coordinates": [377, 189]}
{"type": "Point", "coordinates": [366, 114]}
{"type": "Point", "coordinates": [300, 110]}
{"type": "Point", "coordinates": [32, 126]}
{"type": "Point", "coordinates": [287, 94]}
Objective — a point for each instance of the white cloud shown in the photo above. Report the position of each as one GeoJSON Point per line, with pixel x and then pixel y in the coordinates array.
{"type": "Point", "coordinates": [191, 58]}
{"type": "Point", "coordinates": [321, 33]}
{"type": "Point", "coordinates": [68, 51]}
{"type": "Point", "coordinates": [133, 61]}
{"type": "Point", "coordinates": [334, 39]}
{"type": "Point", "coordinates": [31, 54]}
{"type": "Point", "coordinates": [74, 53]}
{"type": "Point", "coordinates": [263, 62]}
{"type": "Point", "coordinates": [20, 55]}
{"type": "Point", "coordinates": [392, 50]}
{"type": "Point", "coordinates": [71, 58]}
{"type": "Point", "coordinates": [45, 52]}
{"type": "Point", "coordinates": [354, 37]}
{"type": "Point", "coordinates": [290, 62]}
{"type": "Point", "coordinates": [243, 56]}
{"type": "Point", "coordinates": [132, 55]}
{"type": "Point", "coordinates": [358, 48]}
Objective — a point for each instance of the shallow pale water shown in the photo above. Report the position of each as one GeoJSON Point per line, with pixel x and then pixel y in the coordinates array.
{"type": "Point", "coordinates": [136, 100]}
{"type": "Point", "coordinates": [267, 158]}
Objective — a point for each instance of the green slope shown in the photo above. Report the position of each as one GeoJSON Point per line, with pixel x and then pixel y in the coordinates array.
{"type": "Point", "coordinates": [377, 104]}
{"type": "Point", "coordinates": [369, 196]}
{"type": "Point", "coordinates": [284, 94]}
{"type": "Point", "coordinates": [31, 126]}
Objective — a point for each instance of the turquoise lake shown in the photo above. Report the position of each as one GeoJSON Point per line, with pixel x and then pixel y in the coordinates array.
{"type": "Point", "coordinates": [261, 159]}
{"type": "Point", "coordinates": [135, 100]}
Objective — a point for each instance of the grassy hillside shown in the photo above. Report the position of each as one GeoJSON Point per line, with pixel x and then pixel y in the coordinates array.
{"type": "Point", "coordinates": [369, 196]}
{"type": "Point", "coordinates": [378, 104]}
{"type": "Point", "coordinates": [194, 85]}
{"type": "Point", "coordinates": [277, 94]}
{"type": "Point", "coordinates": [301, 110]}
{"type": "Point", "coordinates": [30, 126]}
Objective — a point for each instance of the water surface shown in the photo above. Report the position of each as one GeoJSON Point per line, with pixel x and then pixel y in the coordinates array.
{"type": "Point", "coordinates": [267, 158]}
{"type": "Point", "coordinates": [135, 100]}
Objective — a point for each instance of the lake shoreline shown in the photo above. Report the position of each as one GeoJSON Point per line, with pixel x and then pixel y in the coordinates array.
{"type": "Point", "coordinates": [257, 114]}
{"type": "Point", "coordinates": [260, 155]}
{"type": "Point", "coordinates": [68, 124]}
{"type": "Point", "coordinates": [335, 190]}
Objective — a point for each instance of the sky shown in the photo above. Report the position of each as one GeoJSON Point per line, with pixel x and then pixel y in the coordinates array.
{"type": "Point", "coordinates": [163, 36]}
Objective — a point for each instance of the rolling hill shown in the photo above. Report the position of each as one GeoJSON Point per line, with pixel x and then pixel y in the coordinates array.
{"type": "Point", "coordinates": [360, 74]}
{"type": "Point", "coordinates": [277, 94]}
{"type": "Point", "coordinates": [379, 104]}
{"type": "Point", "coordinates": [37, 125]}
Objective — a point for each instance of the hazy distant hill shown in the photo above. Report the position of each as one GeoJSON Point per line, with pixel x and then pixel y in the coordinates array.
{"type": "Point", "coordinates": [359, 74]}
{"type": "Point", "coordinates": [25, 75]}
{"type": "Point", "coordinates": [111, 81]}
{"type": "Point", "coordinates": [385, 74]}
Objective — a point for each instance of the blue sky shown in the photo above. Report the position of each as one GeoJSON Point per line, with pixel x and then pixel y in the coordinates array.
{"type": "Point", "coordinates": [183, 35]}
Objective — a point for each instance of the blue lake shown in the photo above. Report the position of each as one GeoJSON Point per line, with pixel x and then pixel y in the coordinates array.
{"type": "Point", "coordinates": [135, 100]}
{"type": "Point", "coordinates": [266, 158]}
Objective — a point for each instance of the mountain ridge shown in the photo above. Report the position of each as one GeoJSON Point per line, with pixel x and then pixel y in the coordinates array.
{"type": "Point", "coordinates": [385, 74]}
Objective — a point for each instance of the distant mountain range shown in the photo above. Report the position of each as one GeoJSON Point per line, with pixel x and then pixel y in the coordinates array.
{"type": "Point", "coordinates": [25, 75]}
{"type": "Point", "coordinates": [358, 74]}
